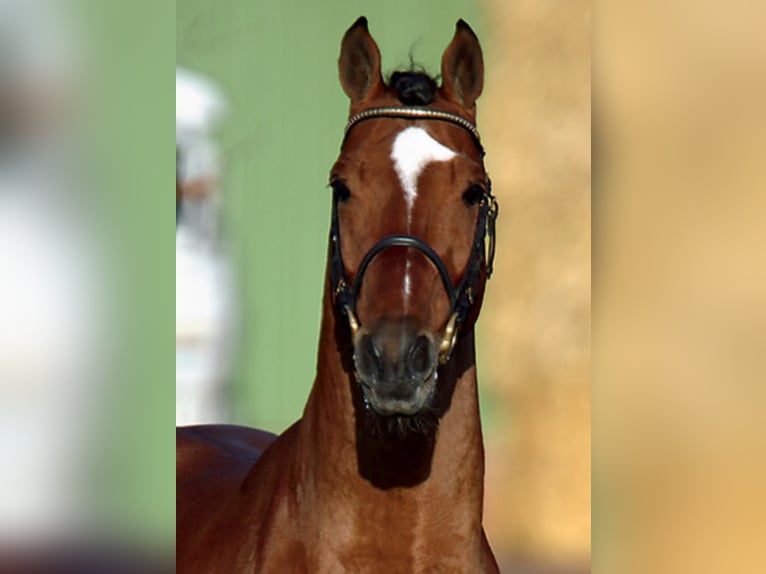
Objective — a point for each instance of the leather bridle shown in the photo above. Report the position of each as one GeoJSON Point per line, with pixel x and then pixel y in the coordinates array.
{"type": "Point", "coordinates": [462, 297]}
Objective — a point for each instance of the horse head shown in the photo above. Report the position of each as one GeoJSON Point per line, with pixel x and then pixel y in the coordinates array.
{"type": "Point", "coordinates": [412, 210]}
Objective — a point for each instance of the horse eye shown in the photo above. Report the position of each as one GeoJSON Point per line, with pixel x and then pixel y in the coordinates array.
{"type": "Point", "coordinates": [473, 195]}
{"type": "Point", "coordinates": [339, 191]}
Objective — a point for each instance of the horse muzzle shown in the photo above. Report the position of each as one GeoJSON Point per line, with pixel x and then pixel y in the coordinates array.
{"type": "Point", "coordinates": [396, 365]}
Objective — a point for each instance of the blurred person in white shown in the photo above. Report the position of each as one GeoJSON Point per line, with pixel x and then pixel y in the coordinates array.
{"type": "Point", "coordinates": [52, 291]}
{"type": "Point", "coordinates": [205, 300]}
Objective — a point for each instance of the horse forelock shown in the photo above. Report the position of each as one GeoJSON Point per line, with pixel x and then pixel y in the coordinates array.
{"type": "Point", "coordinates": [413, 88]}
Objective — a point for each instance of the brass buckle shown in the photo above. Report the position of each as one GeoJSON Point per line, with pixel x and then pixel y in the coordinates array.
{"type": "Point", "coordinates": [353, 322]}
{"type": "Point", "coordinates": [448, 339]}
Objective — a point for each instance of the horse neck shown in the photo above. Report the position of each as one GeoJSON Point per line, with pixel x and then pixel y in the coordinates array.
{"type": "Point", "coordinates": [434, 476]}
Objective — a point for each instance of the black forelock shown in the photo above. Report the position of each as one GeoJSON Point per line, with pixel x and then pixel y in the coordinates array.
{"type": "Point", "coordinates": [413, 87]}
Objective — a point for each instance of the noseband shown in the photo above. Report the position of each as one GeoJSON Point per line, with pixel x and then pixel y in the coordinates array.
{"type": "Point", "coordinates": [462, 297]}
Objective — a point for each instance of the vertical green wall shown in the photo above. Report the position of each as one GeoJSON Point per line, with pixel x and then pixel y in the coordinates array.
{"type": "Point", "coordinates": [276, 62]}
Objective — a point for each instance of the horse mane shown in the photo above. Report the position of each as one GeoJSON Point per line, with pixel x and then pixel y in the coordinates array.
{"type": "Point", "coordinates": [414, 87]}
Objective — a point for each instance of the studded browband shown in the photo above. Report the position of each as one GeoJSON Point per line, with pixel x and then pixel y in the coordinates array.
{"type": "Point", "coordinates": [415, 113]}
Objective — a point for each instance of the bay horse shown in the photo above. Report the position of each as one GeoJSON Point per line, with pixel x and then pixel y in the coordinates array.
{"type": "Point", "coordinates": [384, 471]}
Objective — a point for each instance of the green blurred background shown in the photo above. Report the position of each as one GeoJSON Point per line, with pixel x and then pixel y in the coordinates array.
{"type": "Point", "coordinates": [276, 62]}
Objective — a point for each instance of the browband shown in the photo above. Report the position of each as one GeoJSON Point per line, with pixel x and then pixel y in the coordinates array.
{"type": "Point", "coordinates": [415, 113]}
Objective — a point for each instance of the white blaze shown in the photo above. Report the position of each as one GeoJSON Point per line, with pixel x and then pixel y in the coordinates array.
{"type": "Point", "coordinates": [412, 151]}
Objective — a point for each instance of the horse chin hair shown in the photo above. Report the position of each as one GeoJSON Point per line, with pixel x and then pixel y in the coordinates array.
{"type": "Point", "coordinates": [401, 426]}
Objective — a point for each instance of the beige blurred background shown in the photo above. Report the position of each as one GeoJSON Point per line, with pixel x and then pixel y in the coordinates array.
{"type": "Point", "coordinates": [679, 282]}
{"type": "Point", "coordinates": [535, 328]}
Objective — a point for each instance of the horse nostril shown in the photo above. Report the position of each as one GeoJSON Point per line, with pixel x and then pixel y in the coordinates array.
{"type": "Point", "coordinates": [420, 356]}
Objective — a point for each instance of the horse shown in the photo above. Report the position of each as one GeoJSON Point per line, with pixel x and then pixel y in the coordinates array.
{"type": "Point", "coordinates": [384, 470]}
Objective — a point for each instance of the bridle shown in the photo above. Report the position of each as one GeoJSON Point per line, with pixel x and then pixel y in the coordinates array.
{"type": "Point", "coordinates": [462, 297]}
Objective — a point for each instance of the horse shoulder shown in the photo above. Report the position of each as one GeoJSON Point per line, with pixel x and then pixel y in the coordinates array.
{"type": "Point", "coordinates": [217, 477]}
{"type": "Point", "coordinates": [212, 462]}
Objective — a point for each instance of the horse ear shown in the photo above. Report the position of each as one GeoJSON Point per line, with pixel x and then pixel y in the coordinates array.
{"type": "Point", "coordinates": [463, 66]}
{"type": "Point", "coordinates": [359, 62]}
